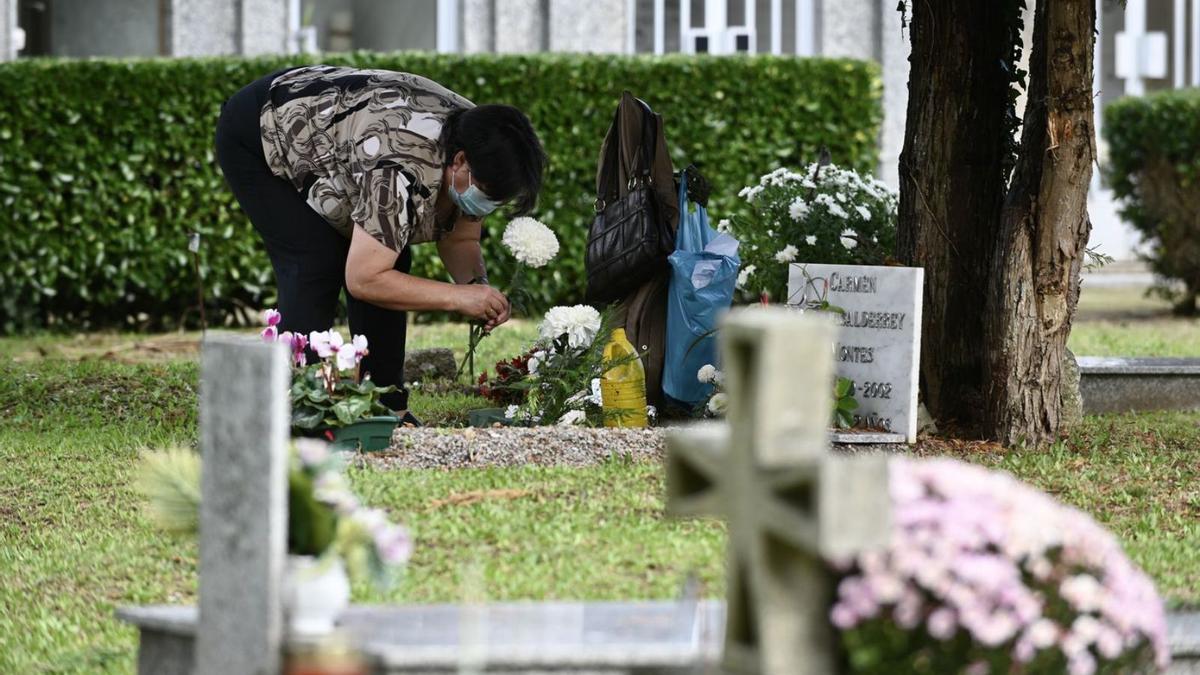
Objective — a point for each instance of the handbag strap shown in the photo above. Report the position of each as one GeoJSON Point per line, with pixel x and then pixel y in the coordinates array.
{"type": "Point", "coordinates": [608, 188]}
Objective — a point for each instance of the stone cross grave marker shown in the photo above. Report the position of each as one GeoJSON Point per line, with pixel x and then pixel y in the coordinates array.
{"type": "Point", "coordinates": [788, 501]}
{"type": "Point", "coordinates": [244, 430]}
{"type": "Point", "coordinates": [878, 344]}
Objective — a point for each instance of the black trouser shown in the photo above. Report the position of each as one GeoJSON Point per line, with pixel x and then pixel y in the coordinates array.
{"type": "Point", "coordinates": [308, 255]}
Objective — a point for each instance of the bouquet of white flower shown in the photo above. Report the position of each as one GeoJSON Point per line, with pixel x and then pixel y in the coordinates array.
{"type": "Point", "coordinates": [822, 214]}
{"type": "Point", "coordinates": [562, 385]}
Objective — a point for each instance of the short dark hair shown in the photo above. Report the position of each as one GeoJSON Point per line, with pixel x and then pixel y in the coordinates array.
{"type": "Point", "coordinates": [503, 150]}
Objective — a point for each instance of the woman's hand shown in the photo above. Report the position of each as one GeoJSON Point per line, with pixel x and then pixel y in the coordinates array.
{"type": "Point", "coordinates": [482, 303]}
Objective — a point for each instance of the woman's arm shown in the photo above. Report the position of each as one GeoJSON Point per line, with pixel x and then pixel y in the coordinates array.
{"type": "Point", "coordinates": [460, 251]}
{"type": "Point", "coordinates": [371, 277]}
{"type": "Point", "coordinates": [463, 258]}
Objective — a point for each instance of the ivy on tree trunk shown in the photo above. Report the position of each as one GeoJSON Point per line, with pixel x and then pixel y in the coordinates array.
{"type": "Point", "coordinates": [1001, 258]}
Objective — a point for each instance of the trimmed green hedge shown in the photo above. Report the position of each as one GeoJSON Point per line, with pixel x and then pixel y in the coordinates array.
{"type": "Point", "coordinates": [105, 165]}
{"type": "Point", "coordinates": [1154, 168]}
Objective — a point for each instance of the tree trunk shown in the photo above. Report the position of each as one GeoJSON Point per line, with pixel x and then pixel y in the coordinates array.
{"type": "Point", "coordinates": [1034, 276]}
{"type": "Point", "coordinates": [952, 184]}
{"type": "Point", "coordinates": [1001, 261]}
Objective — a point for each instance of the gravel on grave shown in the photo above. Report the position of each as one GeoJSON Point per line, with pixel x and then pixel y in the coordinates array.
{"type": "Point", "coordinates": [429, 448]}
{"type": "Point", "coordinates": [432, 448]}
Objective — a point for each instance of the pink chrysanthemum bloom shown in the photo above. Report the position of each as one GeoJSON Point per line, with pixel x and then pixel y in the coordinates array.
{"type": "Point", "coordinates": [978, 554]}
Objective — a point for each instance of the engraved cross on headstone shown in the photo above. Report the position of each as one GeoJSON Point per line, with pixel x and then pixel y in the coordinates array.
{"type": "Point", "coordinates": [789, 502]}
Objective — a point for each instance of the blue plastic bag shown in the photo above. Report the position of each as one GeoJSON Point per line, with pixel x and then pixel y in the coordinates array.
{"type": "Point", "coordinates": [704, 270]}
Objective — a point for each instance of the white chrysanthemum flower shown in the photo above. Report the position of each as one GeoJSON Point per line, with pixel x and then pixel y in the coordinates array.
{"type": "Point", "coordinates": [572, 418]}
{"type": "Point", "coordinates": [717, 404]}
{"type": "Point", "coordinates": [579, 323]}
{"type": "Point", "coordinates": [811, 240]}
{"type": "Point", "coordinates": [798, 208]}
{"type": "Point", "coordinates": [530, 242]}
{"type": "Point", "coordinates": [535, 361]}
{"type": "Point", "coordinates": [744, 276]}
{"type": "Point", "coordinates": [787, 254]}
{"type": "Point", "coordinates": [707, 373]}
{"type": "Point", "coordinates": [849, 238]}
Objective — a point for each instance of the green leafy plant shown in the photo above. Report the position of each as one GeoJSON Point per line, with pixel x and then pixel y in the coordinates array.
{"type": "Point", "coordinates": [323, 398]}
{"type": "Point", "coordinates": [822, 213]}
{"type": "Point", "coordinates": [1154, 169]}
{"type": "Point", "coordinates": [95, 232]}
{"type": "Point", "coordinates": [844, 403]}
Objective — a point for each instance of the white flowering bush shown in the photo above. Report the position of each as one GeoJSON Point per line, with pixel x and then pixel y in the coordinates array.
{"type": "Point", "coordinates": [985, 574]}
{"type": "Point", "coordinates": [820, 215]}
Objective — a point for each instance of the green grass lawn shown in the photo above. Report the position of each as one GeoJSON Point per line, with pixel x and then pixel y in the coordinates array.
{"type": "Point", "coordinates": [76, 412]}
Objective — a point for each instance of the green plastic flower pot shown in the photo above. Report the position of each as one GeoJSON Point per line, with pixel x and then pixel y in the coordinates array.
{"type": "Point", "coordinates": [487, 417]}
{"type": "Point", "coordinates": [369, 435]}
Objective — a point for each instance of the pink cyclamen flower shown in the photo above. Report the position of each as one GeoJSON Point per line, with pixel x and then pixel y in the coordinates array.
{"type": "Point", "coordinates": [297, 342]}
{"type": "Point", "coordinates": [270, 334]}
{"type": "Point", "coordinates": [325, 343]}
{"type": "Point", "coordinates": [272, 317]}
{"type": "Point", "coordinates": [347, 358]}
{"type": "Point", "coordinates": [360, 344]}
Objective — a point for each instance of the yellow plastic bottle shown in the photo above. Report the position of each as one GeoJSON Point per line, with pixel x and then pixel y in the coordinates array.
{"type": "Point", "coordinates": [623, 387]}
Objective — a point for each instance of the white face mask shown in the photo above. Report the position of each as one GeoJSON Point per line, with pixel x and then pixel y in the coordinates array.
{"type": "Point", "coordinates": [472, 201]}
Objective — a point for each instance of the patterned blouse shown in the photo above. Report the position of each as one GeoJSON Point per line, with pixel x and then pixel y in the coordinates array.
{"type": "Point", "coordinates": [364, 145]}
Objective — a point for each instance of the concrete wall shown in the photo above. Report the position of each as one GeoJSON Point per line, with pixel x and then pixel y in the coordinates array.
{"type": "Point", "coordinates": [202, 27]}
{"type": "Point", "coordinates": [595, 26]}
{"type": "Point", "coordinates": [521, 25]}
{"type": "Point", "coordinates": [263, 27]}
{"type": "Point", "coordinates": [104, 28]}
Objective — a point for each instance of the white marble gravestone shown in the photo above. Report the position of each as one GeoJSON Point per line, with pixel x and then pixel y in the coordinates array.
{"type": "Point", "coordinates": [790, 503]}
{"type": "Point", "coordinates": [878, 344]}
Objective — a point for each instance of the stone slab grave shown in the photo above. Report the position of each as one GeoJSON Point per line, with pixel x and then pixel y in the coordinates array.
{"type": "Point", "coordinates": [1117, 385]}
{"type": "Point", "coordinates": [787, 499]}
{"type": "Point", "coordinates": [878, 345]}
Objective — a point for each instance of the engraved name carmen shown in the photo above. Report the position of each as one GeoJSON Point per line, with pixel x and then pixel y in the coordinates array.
{"type": "Point", "coordinates": [852, 284]}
